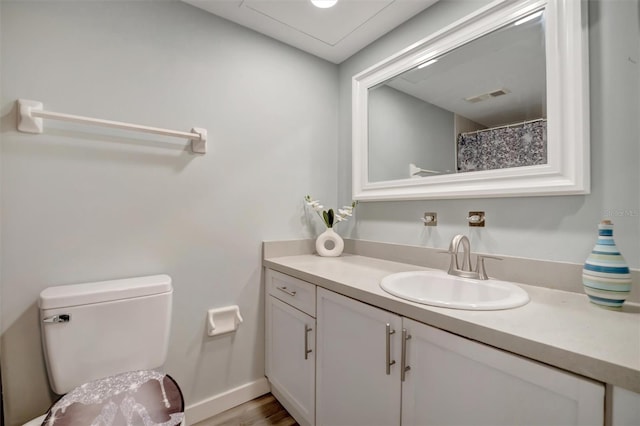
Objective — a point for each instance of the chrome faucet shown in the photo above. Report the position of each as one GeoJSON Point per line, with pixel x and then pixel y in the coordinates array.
{"type": "Point", "coordinates": [454, 246]}
{"type": "Point", "coordinates": [465, 271]}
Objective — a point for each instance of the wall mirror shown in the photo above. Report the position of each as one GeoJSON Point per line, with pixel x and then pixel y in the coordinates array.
{"type": "Point", "coordinates": [494, 105]}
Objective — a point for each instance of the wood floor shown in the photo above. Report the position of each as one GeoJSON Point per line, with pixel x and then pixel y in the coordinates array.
{"type": "Point", "coordinates": [262, 411]}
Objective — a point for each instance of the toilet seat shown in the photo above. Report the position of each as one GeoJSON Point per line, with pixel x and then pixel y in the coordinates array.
{"type": "Point", "coordinates": [136, 397]}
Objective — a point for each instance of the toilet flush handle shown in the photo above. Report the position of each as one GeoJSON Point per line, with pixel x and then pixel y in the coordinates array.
{"type": "Point", "coordinates": [57, 318]}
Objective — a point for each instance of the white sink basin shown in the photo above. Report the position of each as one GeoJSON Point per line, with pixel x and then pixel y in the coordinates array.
{"type": "Point", "coordinates": [437, 288]}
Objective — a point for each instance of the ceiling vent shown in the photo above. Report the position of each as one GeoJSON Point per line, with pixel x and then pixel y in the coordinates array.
{"type": "Point", "coordinates": [485, 96]}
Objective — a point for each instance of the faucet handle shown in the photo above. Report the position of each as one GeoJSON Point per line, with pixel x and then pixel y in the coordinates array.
{"type": "Point", "coordinates": [480, 269]}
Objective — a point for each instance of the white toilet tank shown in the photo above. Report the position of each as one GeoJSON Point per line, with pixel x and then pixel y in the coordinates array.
{"type": "Point", "coordinates": [99, 329]}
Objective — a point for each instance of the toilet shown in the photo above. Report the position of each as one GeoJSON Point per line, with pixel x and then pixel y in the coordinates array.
{"type": "Point", "coordinates": [103, 343]}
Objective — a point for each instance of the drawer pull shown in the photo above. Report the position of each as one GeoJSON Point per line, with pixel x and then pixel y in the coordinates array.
{"type": "Point", "coordinates": [307, 351]}
{"type": "Point", "coordinates": [285, 290]}
{"type": "Point", "coordinates": [390, 361]}
{"type": "Point", "coordinates": [403, 362]}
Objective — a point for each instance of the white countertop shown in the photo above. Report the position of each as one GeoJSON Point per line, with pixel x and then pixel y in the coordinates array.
{"type": "Point", "coordinates": [556, 327]}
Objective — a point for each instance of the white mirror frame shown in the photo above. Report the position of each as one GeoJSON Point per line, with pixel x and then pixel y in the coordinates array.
{"type": "Point", "coordinates": [567, 65]}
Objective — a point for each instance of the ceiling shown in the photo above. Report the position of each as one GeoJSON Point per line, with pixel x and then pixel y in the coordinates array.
{"type": "Point", "coordinates": [333, 34]}
{"type": "Point", "coordinates": [509, 62]}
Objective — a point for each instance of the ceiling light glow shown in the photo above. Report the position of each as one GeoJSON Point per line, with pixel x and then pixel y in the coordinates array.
{"type": "Point", "coordinates": [426, 64]}
{"type": "Point", "coordinates": [529, 18]}
{"type": "Point", "coordinates": [324, 4]}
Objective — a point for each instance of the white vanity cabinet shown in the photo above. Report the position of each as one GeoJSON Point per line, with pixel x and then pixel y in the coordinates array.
{"type": "Point", "coordinates": [452, 381]}
{"type": "Point", "coordinates": [626, 407]}
{"type": "Point", "coordinates": [358, 380]}
{"type": "Point", "coordinates": [374, 367]}
{"type": "Point", "coordinates": [290, 344]}
{"type": "Point", "coordinates": [447, 380]}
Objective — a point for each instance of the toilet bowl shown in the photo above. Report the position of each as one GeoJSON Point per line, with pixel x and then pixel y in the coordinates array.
{"type": "Point", "coordinates": [38, 421]}
{"type": "Point", "coordinates": [103, 343]}
{"type": "Point", "coordinates": [136, 397]}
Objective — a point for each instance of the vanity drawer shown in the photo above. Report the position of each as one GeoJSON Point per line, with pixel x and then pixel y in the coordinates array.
{"type": "Point", "coordinates": [297, 293]}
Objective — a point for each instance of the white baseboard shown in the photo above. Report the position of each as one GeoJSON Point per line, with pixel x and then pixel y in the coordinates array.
{"type": "Point", "coordinates": [218, 403]}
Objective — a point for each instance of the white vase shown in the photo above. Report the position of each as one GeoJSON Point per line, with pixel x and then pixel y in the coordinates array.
{"type": "Point", "coordinates": [329, 244]}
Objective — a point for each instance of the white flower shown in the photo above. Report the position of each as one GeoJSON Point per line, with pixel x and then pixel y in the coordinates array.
{"type": "Point", "coordinates": [314, 204]}
{"type": "Point", "coordinates": [328, 216]}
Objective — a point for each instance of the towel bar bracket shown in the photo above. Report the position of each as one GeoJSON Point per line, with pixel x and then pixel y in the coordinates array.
{"type": "Point", "coordinates": [27, 122]}
{"type": "Point", "coordinates": [199, 146]}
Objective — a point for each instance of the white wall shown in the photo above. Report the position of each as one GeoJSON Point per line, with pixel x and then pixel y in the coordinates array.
{"type": "Point", "coordinates": [82, 203]}
{"type": "Point", "coordinates": [552, 228]}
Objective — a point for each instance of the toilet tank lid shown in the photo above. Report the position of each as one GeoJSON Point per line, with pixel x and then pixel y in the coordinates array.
{"type": "Point", "coordinates": [64, 296]}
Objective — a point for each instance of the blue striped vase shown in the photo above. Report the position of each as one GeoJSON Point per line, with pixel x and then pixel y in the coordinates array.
{"type": "Point", "coordinates": [605, 275]}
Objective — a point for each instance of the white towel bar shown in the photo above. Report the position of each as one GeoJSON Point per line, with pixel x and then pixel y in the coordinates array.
{"type": "Point", "coordinates": [31, 114]}
{"type": "Point", "coordinates": [415, 170]}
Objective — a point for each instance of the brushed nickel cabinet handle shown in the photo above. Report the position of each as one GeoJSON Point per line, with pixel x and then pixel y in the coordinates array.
{"type": "Point", "coordinates": [390, 361]}
{"type": "Point", "coordinates": [307, 351]}
{"type": "Point", "coordinates": [403, 361]}
{"type": "Point", "coordinates": [285, 290]}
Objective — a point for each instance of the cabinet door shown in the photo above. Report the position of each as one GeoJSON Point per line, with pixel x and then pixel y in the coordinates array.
{"type": "Point", "coordinates": [290, 356]}
{"type": "Point", "coordinates": [354, 386]}
{"type": "Point", "coordinates": [455, 381]}
{"type": "Point", "coordinates": [626, 407]}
